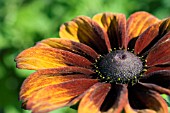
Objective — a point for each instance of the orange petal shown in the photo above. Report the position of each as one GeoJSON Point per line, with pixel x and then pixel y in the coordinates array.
{"type": "Point", "coordinates": [138, 23]}
{"type": "Point", "coordinates": [68, 45]}
{"type": "Point", "coordinates": [116, 99]}
{"type": "Point", "coordinates": [143, 98]}
{"type": "Point", "coordinates": [94, 98]}
{"type": "Point", "coordinates": [159, 55]}
{"type": "Point", "coordinates": [128, 109]}
{"type": "Point", "coordinates": [146, 111]}
{"type": "Point", "coordinates": [153, 36]}
{"type": "Point", "coordinates": [161, 48]}
{"type": "Point", "coordinates": [42, 58]}
{"type": "Point", "coordinates": [44, 78]}
{"type": "Point", "coordinates": [58, 95]}
{"type": "Point", "coordinates": [146, 38]}
{"type": "Point", "coordinates": [115, 26]}
{"type": "Point", "coordinates": [83, 29]}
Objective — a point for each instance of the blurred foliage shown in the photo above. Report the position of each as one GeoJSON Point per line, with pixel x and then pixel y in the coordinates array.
{"type": "Point", "coordinates": [24, 22]}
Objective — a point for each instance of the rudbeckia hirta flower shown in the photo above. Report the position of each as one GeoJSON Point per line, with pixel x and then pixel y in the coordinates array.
{"type": "Point", "coordinates": [105, 64]}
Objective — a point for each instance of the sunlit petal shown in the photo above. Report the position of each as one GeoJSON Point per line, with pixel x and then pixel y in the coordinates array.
{"type": "Point", "coordinates": [68, 45]}
{"type": "Point", "coordinates": [138, 22]}
{"type": "Point", "coordinates": [115, 26]}
{"type": "Point", "coordinates": [83, 29]}
{"type": "Point", "coordinates": [43, 78]}
{"type": "Point", "coordinates": [58, 95]}
{"type": "Point", "coordinates": [42, 58]}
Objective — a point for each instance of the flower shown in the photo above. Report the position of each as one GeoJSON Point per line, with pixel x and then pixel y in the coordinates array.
{"type": "Point", "coordinates": [106, 64]}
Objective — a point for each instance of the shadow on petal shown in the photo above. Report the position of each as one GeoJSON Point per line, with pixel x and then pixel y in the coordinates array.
{"type": "Point", "coordinates": [143, 98]}
{"type": "Point", "coordinates": [160, 78]}
{"type": "Point", "coordinates": [115, 26]}
{"type": "Point", "coordinates": [116, 99]}
{"type": "Point", "coordinates": [94, 98]}
{"type": "Point", "coordinates": [129, 109]}
{"type": "Point", "coordinates": [85, 30]}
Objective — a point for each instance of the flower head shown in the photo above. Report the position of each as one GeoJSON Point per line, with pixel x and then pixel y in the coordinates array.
{"type": "Point", "coordinates": [107, 64]}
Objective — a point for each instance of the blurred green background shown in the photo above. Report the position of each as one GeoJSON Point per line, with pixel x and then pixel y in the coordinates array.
{"type": "Point", "coordinates": [24, 22]}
